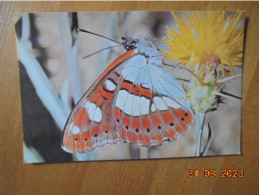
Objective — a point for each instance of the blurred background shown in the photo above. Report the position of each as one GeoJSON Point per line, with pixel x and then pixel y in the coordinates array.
{"type": "Point", "coordinates": [56, 44]}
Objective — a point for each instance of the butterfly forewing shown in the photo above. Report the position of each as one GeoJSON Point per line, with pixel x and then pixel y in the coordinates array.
{"type": "Point", "coordinates": [91, 123]}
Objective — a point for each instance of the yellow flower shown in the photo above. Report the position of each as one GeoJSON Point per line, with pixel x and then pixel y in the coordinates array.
{"type": "Point", "coordinates": [206, 39]}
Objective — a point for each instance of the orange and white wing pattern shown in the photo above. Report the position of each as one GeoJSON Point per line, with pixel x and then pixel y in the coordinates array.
{"type": "Point", "coordinates": [90, 125]}
{"type": "Point", "coordinates": [134, 100]}
{"type": "Point", "coordinates": [150, 107]}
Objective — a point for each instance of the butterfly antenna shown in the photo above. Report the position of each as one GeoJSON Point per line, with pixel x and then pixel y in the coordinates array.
{"type": "Point", "coordinates": [101, 50]}
{"type": "Point", "coordinates": [86, 31]}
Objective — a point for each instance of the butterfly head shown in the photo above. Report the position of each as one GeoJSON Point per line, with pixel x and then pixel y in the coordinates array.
{"type": "Point", "coordinates": [152, 55]}
{"type": "Point", "coordinates": [129, 43]}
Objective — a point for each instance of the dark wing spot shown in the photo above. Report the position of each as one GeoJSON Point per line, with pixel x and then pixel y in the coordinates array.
{"type": "Point", "coordinates": [104, 97]}
{"type": "Point", "coordinates": [117, 74]}
{"type": "Point", "coordinates": [127, 81]}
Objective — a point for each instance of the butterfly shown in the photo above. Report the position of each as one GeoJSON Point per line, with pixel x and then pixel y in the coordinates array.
{"type": "Point", "coordinates": [134, 100]}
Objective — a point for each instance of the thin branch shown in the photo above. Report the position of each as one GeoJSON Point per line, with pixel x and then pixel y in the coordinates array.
{"type": "Point", "coordinates": [70, 54]}
{"type": "Point", "coordinates": [210, 137]}
{"type": "Point", "coordinates": [40, 81]}
{"type": "Point", "coordinates": [228, 78]}
{"type": "Point", "coordinates": [229, 94]}
{"type": "Point", "coordinates": [25, 27]}
{"type": "Point", "coordinates": [65, 96]}
{"type": "Point", "coordinates": [226, 96]}
{"type": "Point", "coordinates": [43, 86]}
{"type": "Point", "coordinates": [200, 119]}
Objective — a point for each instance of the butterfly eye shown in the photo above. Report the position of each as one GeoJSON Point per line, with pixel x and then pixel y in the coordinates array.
{"type": "Point", "coordinates": [148, 130]}
{"type": "Point", "coordinates": [106, 131]}
{"type": "Point", "coordinates": [186, 114]}
{"type": "Point", "coordinates": [182, 119]}
{"type": "Point", "coordinates": [127, 127]}
{"type": "Point", "coordinates": [95, 135]}
{"type": "Point", "coordinates": [159, 127]}
{"type": "Point", "coordinates": [137, 130]}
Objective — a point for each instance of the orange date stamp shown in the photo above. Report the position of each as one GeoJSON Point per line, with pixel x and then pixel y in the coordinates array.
{"type": "Point", "coordinates": [212, 173]}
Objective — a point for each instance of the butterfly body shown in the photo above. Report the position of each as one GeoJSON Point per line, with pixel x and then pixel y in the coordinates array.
{"type": "Point", "coordinates": [134, 100]}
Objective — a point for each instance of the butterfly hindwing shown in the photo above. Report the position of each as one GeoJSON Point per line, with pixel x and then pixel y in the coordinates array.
{"type": "Point", "coordinates": [171, 101]}
{"type": "Point", "coordinates": [147, 111]}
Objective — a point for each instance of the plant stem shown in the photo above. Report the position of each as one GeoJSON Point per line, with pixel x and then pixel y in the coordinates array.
{"type": "Point", "coordinates": [110, 31]}
{"type": "Point", "coordinates": [70, 55]}
{"type": "Point", "coordinates": [204, 153]}
{"type": "Point", "coordinates": [199, 129]}
{"type": "Point", "coordinates": [40, 81]}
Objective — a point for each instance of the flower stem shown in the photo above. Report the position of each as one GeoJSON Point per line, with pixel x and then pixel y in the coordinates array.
{"type": "Point", "coordinates": [199, 129]}
{"type": "Point", "coordinates": [210, 137]}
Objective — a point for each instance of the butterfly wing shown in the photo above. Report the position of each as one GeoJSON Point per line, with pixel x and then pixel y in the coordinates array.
{"type": "Point", "coordinates": [170, 109]}
{"type": "Point", "coordinates": [90, 125]}
{"type": "Point", "coordinates": [150, 106]}
{"type": "Point", "coordinates": [131, 101]}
